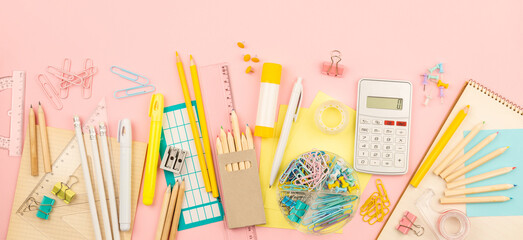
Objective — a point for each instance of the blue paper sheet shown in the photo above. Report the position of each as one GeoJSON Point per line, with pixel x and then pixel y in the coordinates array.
{"type": "Point", "coordinates": [512, 157]}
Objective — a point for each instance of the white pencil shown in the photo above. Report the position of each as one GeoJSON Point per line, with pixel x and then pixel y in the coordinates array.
{"type": "Point", "coordinates": [108, 175]}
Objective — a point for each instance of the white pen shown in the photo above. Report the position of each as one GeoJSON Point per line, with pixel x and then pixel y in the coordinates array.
{"type": "Point", "coordinates": [87, 177]}
{"type": "Point", "coordinates": [125, 138]}
{"type": "Point", "coordinates": [108, 175]}
{"type": "Point", "coordinates": [292, 114]}
{"type": "Point", "coordinates": [100, 183]}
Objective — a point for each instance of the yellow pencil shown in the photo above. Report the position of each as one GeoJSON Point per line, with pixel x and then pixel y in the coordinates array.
{"type": "Point", "coordinates": [456, 200]}
{"type": "Point", "coordinates": [194, 127]}
{"type": "Point", "coordinates": [203, 125]}
{"type": "Point", "coordinates": [427, 164]}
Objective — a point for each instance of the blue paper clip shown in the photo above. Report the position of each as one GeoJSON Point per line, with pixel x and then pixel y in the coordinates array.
{"type": "Point", "coordinates": [142, 88]}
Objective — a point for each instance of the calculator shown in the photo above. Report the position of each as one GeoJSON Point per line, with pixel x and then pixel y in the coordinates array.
{"type": "Point", "coordinates": [381, 144]}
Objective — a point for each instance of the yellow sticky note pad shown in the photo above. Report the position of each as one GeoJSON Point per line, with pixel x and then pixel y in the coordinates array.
{"type": "Point", "coordinates": [304, 136]}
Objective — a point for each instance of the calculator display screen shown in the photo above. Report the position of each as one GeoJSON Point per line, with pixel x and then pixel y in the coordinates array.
{"type": "Point", "coordinates": [385, 103]}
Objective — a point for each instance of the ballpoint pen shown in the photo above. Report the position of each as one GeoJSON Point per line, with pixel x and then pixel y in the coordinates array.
{"type": "Point", "coordinates": [290, 117]}
{"type": "Point", "coordinates": [100, 183]}
{"type": "Point", "coordinates": [125, 138]}
{"type": "Point", "coordinates": [87, 177]}
{"type": "Point", "coordinates": [108, 176]}
{"type": "Point", "coordinates": [155, 133]}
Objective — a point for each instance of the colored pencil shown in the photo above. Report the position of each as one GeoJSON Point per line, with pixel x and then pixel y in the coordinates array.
{"type": "Point", "coordinates": [491, 199]}
{"type": "Point", "coordinates": [163, 212]}
{"type": "Point", "coordinates": [475, 164]}
{"type": "Point", "coordinates": [45, 140]}
{"type": "Point", "coordinates": [170, 212]}
{"type": "Point", "coordinates": [33, 142]}
{"type": "Point", "coordinates": [177, 212]}
{"type": "Point", "coordinates": [473, 190]}
{"type": "Point", "coordinates": [479, 177]}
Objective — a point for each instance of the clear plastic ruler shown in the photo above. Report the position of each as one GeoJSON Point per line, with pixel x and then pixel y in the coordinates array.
{"type": "Point", "coordinates": [68, 163]}
{"type": "Point", "coordinates": [226, 80]}
{"type": "Point", "coordinates": [15, 141]}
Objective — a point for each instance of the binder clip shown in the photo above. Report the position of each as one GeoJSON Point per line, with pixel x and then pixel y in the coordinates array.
{"type": "Point", "coordinates": [333, 68]}
{"type": "Point", "coordinates": [63, 190]}
{"type": "Point", "coordinates": [44, 207]}
{"type": "Point", "coordinates": [173, 159]}
{"type": "Point", "coordinates": [143, 83]}
{"type": "Point", "coordinates": [407, 223]}
{"type": "Point", "coordinates": [298, 211]}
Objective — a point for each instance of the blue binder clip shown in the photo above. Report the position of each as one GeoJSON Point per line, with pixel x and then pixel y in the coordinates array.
{"type": "Point", "coordinates": [143, 83]}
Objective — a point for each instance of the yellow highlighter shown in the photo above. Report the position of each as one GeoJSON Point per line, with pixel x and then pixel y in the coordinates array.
{"type": "Point", "coordinates": [153, 149]}
{"type": "Point", "coordinates": [427, 164]}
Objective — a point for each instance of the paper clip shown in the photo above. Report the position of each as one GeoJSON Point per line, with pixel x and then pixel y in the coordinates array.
{"type": "Point", "coordinates": [67, 79]}
{"type": "Point", "coordinates": [407, 223]}
{"type": "Point", "coordinates": [66, 67]}
{"type": "Point", "coordinates": [333, 68]}
{"type": "Point", "coordinates": [142, 88]}
{"type": "Point", "coordinates": [376, 207]}
{"type": "Point", "coordinates": [63, 190]}
{"type": "Point", "coordinates": [44, 207]}
{"type": "Point", "coordinates": [87, 86]}
{"type": "Point", "coordinates": [49, 91]}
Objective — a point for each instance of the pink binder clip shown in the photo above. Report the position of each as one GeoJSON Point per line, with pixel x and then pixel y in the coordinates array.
{"type": "Point", "coordinates": [333, 68]}
{"type": "Point", "coordinates": [407, 223]}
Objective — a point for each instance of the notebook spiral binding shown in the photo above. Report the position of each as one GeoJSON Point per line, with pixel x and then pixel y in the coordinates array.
{"type": "Point", "coordinates": [511, 105]}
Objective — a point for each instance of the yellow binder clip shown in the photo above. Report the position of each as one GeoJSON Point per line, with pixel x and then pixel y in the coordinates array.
{"type": "Point", "coordinates": [63, 190]}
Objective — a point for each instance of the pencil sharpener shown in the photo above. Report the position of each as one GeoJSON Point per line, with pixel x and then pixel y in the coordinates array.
{"type": "Point", "coordinates": [173, 159]}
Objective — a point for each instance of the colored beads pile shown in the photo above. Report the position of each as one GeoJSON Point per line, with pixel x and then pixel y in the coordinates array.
{"type": "Point", "coordinates": [307, 172]}
{"type": "Point", "coordinates": [377, 205]}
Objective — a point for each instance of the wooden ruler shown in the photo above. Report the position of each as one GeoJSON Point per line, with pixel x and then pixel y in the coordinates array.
{"type": "Point", "coordinates": [14, 142]}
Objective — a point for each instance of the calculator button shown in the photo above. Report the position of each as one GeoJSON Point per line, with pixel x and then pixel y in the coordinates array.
{"type": "Point", "coordinates": [376, 130]}
{"type": "Point", "coordinates": [401, 132]}
{"type": "Point", "coordinates": [364, 145]}
{"type": "Point", "coordinates": [375, 146]}
{"type": "Point", "coordinates": [376, 138]}
{"type": "Point", "coordinates": [388, 139]}
{"type": "Point", "coordinates": [390, 123]}
{"type": "Point", "coordinates": [374, 162]}
{"type": "Point", "coordinates": [400, 140]}
{"type": "Point", "coordinates": [377, 122]}
{"type": "Point", "coordinates": [400, 148]}
{"type": "Point", "coordinates": [364, 121]}
{"type": "Point", "coordinates": [364, 137]}
{"type": "Point", "coordinates": [362, 161]}
{"type": "Point", "coordinates": [387, 147]}
{"type": "Point", "coordinates": [402, 124]}
{"type": "Point", "coordinates": [387, 155]}
{"type": "Point", "coordinates": [363, 154]}
{"type": "Point", "coordinates": [375, 154]}
{"type": "Point", "coordinates": [364, 130]}
{"type": "Point", "coordinates": [399, 160]}
{"type": "Point", "coordinates": [387, 163]}
{"type": "Point", "coordinates": [388, 131]}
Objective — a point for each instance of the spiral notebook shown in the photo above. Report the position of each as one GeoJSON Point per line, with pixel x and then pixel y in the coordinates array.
{"type": "Point", "coordinates": [499, 114]}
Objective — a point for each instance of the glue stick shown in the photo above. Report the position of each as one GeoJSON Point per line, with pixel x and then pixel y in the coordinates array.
{"type": "Point", "coordinates": [268, 100]}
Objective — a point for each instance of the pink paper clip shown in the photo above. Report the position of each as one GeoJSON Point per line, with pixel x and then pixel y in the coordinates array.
{"type": "Point", "coordinates": [88, 81]}
{"type": "Point", "coordinates": [66, 67]}
{"type": "Point", "coordinates": [49, 91]}
{"type": "Point", "coordinates": [407, 223]}
{"type": "Point", "coordinates": [67, 78]}
{"type": "Point", "coordinates": [333, 68]}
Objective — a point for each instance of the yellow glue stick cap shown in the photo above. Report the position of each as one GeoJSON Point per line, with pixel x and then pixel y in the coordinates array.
{"type": "Point", "coordinates": [271, 73]}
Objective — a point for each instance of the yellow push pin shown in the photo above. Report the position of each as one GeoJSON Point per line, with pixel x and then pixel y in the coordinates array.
{"type": "Point", "coordinates": [241, 44]}
{"type": "Point", "coordinates": [255, 59]}
{"type": "Point", "coordinates": [249, 70]}
{"type": "Point", "coordinates": [246, 57]}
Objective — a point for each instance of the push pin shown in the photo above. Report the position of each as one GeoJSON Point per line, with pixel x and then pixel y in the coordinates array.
{"type": "Point", "coordinates": [353, 188]}
{"type": "Point", "coordinates": [425, 81]}
{"type": "Point", "coordinates": [427, 99]}
{"type": "Point", "coordinates": [249, 70]}
{"type": "Point", "coordinates": [333, 68]}
{"type": "Point", "coordinates": [407, 223]}
{"type": "Point", "coordinates": [63, 190]}
{"type": "Point", "coordinates": [344, 184]}
{"type": "Point", "coordinates": [255, 59]}
{"type": "Point", "coordinates": [333, 185]}
{"type": "Point", "coordinates": [241, 44]}
{"type": "Point", "coordinates": [246, 57]}
{"type": "Point", "coordinates": [441, 86]}
{"type": "Point", "coordinates": [440, 67]}
{"type": "Point", "coordinates": [433, 77]}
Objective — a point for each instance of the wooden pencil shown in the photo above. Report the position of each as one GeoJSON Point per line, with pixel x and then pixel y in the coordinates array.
{"type": "Point", "coordinates": [458, 200]}
{"type": "Point", "coordinates": [33, 143]}
{"type": "Point", "coordinates": [473, 190]}
{"type": "Point", "coordinates": [475, 164]}
{"type": "Point", "coordinates": [236, 130]}
{"type": "Point", "coordinates": [170, 212]}
{"type": "Point", "coordinates": [45, 140]}
{"type": "Point", "coordinates": [219, 147]}
{"type": "Point", "coordinates": [223, 138]}
{"type": "Point", "coordinates": [479, 177]}
{"type": "Point", "coordinates": [248, 133]}
{"type": "Point", "coordinates": [177, 212]}
{"type": "Point", "coordinates": [163, 212]}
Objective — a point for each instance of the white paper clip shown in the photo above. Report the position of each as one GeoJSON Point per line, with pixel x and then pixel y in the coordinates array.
{"type": "Point", "coordinates": [143, 83]}
{"type": "Point", "coordinates": [49, 91]}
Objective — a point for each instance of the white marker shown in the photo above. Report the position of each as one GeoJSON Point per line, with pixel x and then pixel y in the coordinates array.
{"type": "Point", "coordinates": [125, 138]}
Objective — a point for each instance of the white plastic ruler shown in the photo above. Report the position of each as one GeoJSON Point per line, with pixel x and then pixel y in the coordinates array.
{"type": "Point", "coordinates": [67, 163]}
{"type": "Point", "coordinates": [14, 142]}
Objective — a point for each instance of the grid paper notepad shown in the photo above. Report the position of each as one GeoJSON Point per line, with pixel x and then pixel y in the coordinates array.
{"type": "Point", "coordinates": [199, 207]}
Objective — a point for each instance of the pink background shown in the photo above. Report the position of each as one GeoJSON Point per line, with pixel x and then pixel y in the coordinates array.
{"type": "Point", "coordinates": [380, 39]}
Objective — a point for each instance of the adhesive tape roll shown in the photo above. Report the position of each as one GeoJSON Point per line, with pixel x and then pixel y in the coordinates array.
{"type": "Point", "coordinates": [331, 117]}
{"type": "Point", "coordinates": [464, 224]}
